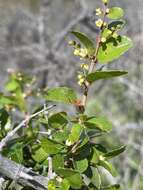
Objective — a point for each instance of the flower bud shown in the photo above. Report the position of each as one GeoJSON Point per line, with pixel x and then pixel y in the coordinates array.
{"type": "Point", "coordinates": [83, 53]}
{"type": "Point", "coordinates": [84, 66]}
{"type": "Point", "coordinates": [105, 1]}
{"type": "Point", "coordinates": [80, 76]}
{"type": "Point", "coordinates": [98, 12]}
{"type": "Point", "coordinates": [107, 11]}
{"type": "Point", "coordinates": [72, 43]}
{"type": "Point", "coordinates": [81, 81]}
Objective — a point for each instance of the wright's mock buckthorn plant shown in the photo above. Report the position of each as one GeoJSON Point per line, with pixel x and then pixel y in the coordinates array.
{"type": "Point", "coordinates": [59, 146]}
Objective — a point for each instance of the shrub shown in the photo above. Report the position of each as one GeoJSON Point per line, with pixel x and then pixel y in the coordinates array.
{"type": "Point", "coordinates": [63, 147]}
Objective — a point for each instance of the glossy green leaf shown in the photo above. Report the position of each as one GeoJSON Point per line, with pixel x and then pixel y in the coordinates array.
{"type": "Point", "coordinates": [75, 133]}
{"type": "Point", "coordinates": [83, 152]}
{"type": "Point", "coordinates": [114, 48]}
{"type": "Point", "coordinates": [64, 185]}
{"type": "Point", "coordinates": [116, 25]}
{"type": "Point", "coordinates": [58, 120]}
{"type": "Point", "coordinates": [115, 152]}
{"type": "Point", "coordinates": [104, 75]}
{"type": "Point", "coordinates": [115, 13]}
{"type": "Point", "coordinates": [81, 165]}
{"type": "Point", "coordinates": [95, 156]}
{"type": "Point", "coordinates": [100, 123]}
{"type": "Point", "coordinates": [50, 147]}
{"type": "Point", "coordinates": [58, 162]}
{"type": "Point", "coordinates": [85, 41]}
{"type": "Point", "coordinates": [61, 94]}
{"type": "Point", "coordinates": [96, 179]}
{"type": "Point", "coordinates": [61, 136]}
{"type": "Point", "coordinates": [108, 166]}
{"type": "Point", "coordinates": [75, 181]}
{"type": "Point", "coordinates": [66, 172]}
{"type": "Point", "coordinates": [39, 155]}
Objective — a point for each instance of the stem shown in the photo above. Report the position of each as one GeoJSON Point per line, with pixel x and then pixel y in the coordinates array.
{"type": "Point", "coordinates": [94, 60]}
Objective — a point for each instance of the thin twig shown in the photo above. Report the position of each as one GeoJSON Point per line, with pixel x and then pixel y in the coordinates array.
{"type": "Point", "coordinates": [94, 59]}
{"type": "Point", "coordinates": [13, 132]}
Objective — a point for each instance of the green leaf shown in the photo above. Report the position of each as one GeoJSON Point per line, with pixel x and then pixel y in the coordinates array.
{"type": "Point", "coordinates": [66, 172]}
{"type": "Point", "coordinates": [85, 41]}
{"type": "Point", "coordinates": [115, 152]}
{"type": "Point", "coordinates": [81, 165]}
{"type": "Point", "coordinates": [52, 185]}
{"type": "Point", "coordinates": [61, 94]}
{"type": "Point", "coordinates": [96, 179]}
{"type": "Point", "coordinates": [61, 136]}
{"type": "Point", "coordinates": [100, 123]}
{"type": "Point", "coordinates": [58, 162]}
{"type": "Point", "coordinates": [39, 155]}
{"type": "Point", "coordinates": [95, 156]}
{"type": "Point", "coordinates": [12, 85]}
{"type": "Point", "coordinates": [115, 13]}
{"type": "Point", "coordinates": [116, 25]}
{"type": "Point", "coordinates": [75, 181]}
{"type": "Point", "coordinates": [6, 100]}
{"type": "Point", "coordinates": [16, 152]}
{"type": "Point", "coordinates": [104, 75]}
{"type": "Point", "coordinates": [75, 133]}
{"type": "Point", "coordinates": [108, 166]}
{"type": "Point", "coordinates": [64, 185]}
{"type": "Point", "coordinates": [83, 152]}
{"type": "Point", "coordinates": [3, 117]}
{"type": "Point", "coordinates": [51, 147]}
{"type": "Point", "coordinates": [114, 48]}
{"type": "Point", "coordinates": [58, 120]}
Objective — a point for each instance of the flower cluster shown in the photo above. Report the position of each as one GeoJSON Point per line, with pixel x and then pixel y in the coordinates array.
{"type": "Point", "coordinates": [78, 51]}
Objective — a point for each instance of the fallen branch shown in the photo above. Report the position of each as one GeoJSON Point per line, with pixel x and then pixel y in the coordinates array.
{"type": "Point", "coordinates": [22, 175]}
{"type": "Point", "coordinates": [4, 141]}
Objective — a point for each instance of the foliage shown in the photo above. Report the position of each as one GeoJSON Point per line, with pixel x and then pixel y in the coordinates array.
{"type": "Point", "coordinates": [69, 141]}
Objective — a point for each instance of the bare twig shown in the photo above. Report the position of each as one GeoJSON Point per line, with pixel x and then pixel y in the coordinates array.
{"type": "Point", "coordinates": [12, 133]}
{"type": "Point", "coordinates": [23, 175]}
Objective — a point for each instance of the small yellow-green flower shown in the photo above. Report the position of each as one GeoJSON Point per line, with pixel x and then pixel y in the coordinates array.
{"type": "Point", "coordinates": [85, 66]}
{"type": "Point", "coordinates": [103, 39]}
{"type": "Point", "coordinates": [83, 52]}
{"type": "Point", "coordinates": [107, 11]}
{"type": "Point", "coordinates": [98, 12]}
{"type": "Point", "coordinates": [80, 76]}
{"type": "Point", "coordinates": [76, 52]}
{"type": "Point", "coordinates": [104, 24]}
{"type": "Point", "coordinates": [81, 81]}
{"type": "Point", "coordinates": [99, 23]}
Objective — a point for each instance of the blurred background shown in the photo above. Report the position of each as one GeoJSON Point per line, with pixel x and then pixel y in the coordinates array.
{"type": "Point", "coordinates": [33, 39]}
